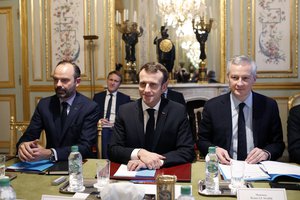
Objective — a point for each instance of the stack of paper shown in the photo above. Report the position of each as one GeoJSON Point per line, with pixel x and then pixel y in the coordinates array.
{"type": "Point", "coordinates": [35, 167]}
{"type": "Point", "coordinates": [266, 170]}
{"type": "Point", "coordinates": [123, 172]}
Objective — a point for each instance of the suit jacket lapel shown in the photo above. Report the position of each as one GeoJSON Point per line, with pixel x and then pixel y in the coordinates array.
{"type": "Point", "coordinates": [227, 113]}
{"type": "Point", "coordinates": [161, 118]}
{"type": "Point", "coordinates": [255, 117]}
{"type": "Point", "coordinates": [72, 115]}
{"type": "Point", "coordinates": [139, 118]}
{"type": "Point", "coordinates": [55, 104]}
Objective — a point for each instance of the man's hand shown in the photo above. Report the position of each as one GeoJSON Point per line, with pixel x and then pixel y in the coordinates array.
{"type": "Point", "coordinates": [32, 151]}
{"type": "Point", "coordinates": [105, 122]}
{"type": "Point", "coordinates": [135, 165]}
{"type": "Point", "coordinates": [256, 155]}
{"type": "Point", "coordinates": [223, 156]}
{"type": "Point", "coordinates": [151, 160]}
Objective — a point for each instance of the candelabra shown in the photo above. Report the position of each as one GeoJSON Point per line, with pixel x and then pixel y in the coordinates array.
{"type": "Point", "coordinates": [130, 35]}
{"type": "Point", "coordinates": [201, 30]}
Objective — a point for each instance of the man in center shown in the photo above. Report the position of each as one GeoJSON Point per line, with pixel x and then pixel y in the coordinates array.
{"type": "Point", "coordinates": [167, 142]}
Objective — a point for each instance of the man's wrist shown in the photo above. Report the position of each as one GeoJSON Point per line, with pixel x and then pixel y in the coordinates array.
{"type": "Point", "coordinates": [52, 157]}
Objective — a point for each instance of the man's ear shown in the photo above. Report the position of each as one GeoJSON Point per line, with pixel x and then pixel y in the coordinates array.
{"type": "Point", "coordinates": [164, 86]}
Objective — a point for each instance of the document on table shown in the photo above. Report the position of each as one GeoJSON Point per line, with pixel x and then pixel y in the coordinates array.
{"type": "Point", "coordinates": [123, 172]}
{"type": "Point", "coordinates": [253, 172]}
{"type": "Point", "coordinates": [275, 169]}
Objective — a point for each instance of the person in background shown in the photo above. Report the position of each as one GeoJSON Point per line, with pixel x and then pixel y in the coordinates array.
{"type": "Point", "coordinates": [109, 108]}
{"type": "Point", "coordinates": [174, 96]}
{"type": "Point", "coordinates": [68, 118]}
{"type": "Point", "coordinates": [152, 132]}
{"type": "Point", "coordinates": [211, 77]}
{"type": "Point", "coordinates": [293, 134]}
{"type": "Point", "coordinates": [242, 124]}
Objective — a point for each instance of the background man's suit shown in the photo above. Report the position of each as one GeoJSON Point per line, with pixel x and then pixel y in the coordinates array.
{"type": "Point", "coordinates": [172, 138]}
{"type": "Point", "coordinates": [216, 126]}
{"type": "Point", "coordinates": [80, 127]}
{"type": "Point", "coordinates": [100, 99]}
{"type": "Point", "coordinates": [176, 96]}
{"type": "Point", "coordinates": [107, 131]}
{"type": "Point", "coordinates": [294, 134]}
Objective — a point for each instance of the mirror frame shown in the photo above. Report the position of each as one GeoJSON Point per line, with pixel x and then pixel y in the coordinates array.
{"type": "Point", "coordinates": [222, 36]}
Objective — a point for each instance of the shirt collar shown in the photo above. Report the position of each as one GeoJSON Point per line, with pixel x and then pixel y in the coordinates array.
{"type": "Point", "coordinates": [113, 93]}
{"type": "Point", "coordinates": [156, 107]}
{"type": "Point", "coordinates": [69, 100]}
{"type": "Point", "coordinates": [236, 102]}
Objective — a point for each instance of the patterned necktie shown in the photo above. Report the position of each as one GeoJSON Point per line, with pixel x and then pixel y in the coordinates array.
{"type": "Point", "coordinates": [242, 143]}
{"type": "Point", "coordinates": [150, 129]}
{"type": "Point", "coordinates": [64, 113]}
{"type": "Point", "coordinates": [109, 107]}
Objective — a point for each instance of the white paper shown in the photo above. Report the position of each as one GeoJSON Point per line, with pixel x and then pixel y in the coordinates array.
{"type": "Point", "coordinates": [274, 167]}
{"type": "Point", "coordinates": [52, 197]}
{"type": "Point", "coordinates": [123, 171]}
{"type": "Point", "coordinates": [252, 172]}
{"type": "Point", "coordinates": [261, 193]}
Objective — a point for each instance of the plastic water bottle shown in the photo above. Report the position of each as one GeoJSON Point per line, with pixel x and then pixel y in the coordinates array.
{"type": "Point", "coordinates": [185, 193]}
{"type": "Point", "coordinates": [75, 171]}
{"type": "Point", "coordinates": [212, 172]}
{"type": "Point", "coordinates": [6, 191]}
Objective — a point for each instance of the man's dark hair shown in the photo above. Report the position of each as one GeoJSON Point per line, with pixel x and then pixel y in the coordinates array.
{"type": "Point", "coordinates": [154, 67]}
{"type": "Point", "coordinates": [116, 73]}
{"type": "Point", "coordinates": [77, 71]}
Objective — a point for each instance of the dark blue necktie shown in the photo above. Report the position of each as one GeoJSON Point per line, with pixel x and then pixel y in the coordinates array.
{"type": "Point", "coordinates": [108, 110]}
{"type": "Point", "coordinates": [150, 129]}
{"type": "Point", "coordinates": [242, 142]}
{"type": "Point", "coordinates": [64, 113]}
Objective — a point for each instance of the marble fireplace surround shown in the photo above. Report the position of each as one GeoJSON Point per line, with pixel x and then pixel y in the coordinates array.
{"type": "Point", "coordinates": [190, 91]}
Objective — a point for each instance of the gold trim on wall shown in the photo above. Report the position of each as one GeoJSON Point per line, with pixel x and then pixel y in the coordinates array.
{"type": "Point", "coordinates": [10, 83]}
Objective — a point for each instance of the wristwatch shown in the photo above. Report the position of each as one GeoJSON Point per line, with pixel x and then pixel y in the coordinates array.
{"type": "Point", "coordinates": [52, 156]}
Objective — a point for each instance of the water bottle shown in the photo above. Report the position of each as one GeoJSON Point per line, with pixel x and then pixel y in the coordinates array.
{"type": "Point", "coordinates": [185, 193]}
{"type": "Point", "coordinates": [212, 172]}
{"type": "Point", "coordinates": [75, 171]}
{"type": "Point", "coordinates": [6, 191]}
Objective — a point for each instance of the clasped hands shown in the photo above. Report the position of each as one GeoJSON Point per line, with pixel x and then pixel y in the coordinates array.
{"type": "Point", "coordinates": [255, 156]}
{"type": "Point", "coordinates": [32, 151]}
{"type": "Point", "coordinates": [146, 159]}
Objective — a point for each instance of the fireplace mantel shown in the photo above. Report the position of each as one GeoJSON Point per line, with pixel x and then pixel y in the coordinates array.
{"type": "Point", "coordinates": [190, 91]}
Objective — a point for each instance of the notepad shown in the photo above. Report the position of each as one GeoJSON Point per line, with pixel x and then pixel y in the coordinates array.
{"type": "Point", "coordinates": [35, 167]}
{"type": "Point", "coordinates": [123, 172]}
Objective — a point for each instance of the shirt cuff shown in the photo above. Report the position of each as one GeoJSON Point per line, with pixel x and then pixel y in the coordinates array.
{"type": "Point", "coordinates": [55, 154]}
{"type": "Point", "coordinates": [269, 154]}
{"type": "Point", "coordinates": [134, 154]}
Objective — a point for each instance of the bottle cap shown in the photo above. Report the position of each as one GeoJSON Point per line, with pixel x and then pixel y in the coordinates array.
{"type": "Point", "coordinates": [74, 148]}
{"type": "Point", "coordinates": [186, 190]}
{"type": "Point", "coordinates": [211, 149]}
{"type": "Point", "coordinates": [4, 181]}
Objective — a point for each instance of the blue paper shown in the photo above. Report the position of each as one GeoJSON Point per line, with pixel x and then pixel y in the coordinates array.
{"type": "Point", "coordinates": [38, 166]}
{"type": "Point", "coordinates": [145, 173]}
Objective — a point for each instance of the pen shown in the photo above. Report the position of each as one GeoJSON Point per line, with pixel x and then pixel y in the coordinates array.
{"type": "Point", "coordinates": [142, 181]}
{"type": "Point", "coordinates": [262, 167]}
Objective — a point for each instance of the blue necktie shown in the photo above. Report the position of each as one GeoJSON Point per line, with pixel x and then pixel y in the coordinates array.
{"type": "Point", "coordinates": [242, 141]}
{"type": "Point", "coordinates": [150, 129]}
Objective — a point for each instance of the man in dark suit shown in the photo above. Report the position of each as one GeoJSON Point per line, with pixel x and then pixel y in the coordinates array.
{"type": "Point", "coordinates": [108, 110]}
{"type": "Point", "coordinates": [174, 96]}
{"type": "Point", "coordinates": [293, 129]}
{"type": "Point", "coordinates": [152, 132]}
{"type": "Point", "coordinates": [77, 127]}
{"type": "Point", "coordinates": [251, 131]}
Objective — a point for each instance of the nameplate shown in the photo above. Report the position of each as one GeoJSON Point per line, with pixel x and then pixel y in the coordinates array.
{"type": "Point", "coordinates": [261, 194]}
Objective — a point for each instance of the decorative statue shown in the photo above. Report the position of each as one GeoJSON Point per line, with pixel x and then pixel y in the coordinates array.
{"type": "Point", "coordinates": [165, 49]}
{"type": "Point", "coordinates": [130, 38]}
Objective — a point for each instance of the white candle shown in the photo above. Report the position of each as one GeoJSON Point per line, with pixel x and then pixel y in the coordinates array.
{"type": "Point", "coordinates": [134, 16]}
{"type": "Point", "coordinates": [124, 13]}
{"type": "Point", "coordinates": [117, 17]}
{"type": "Point", "coordinates": [127, 14]}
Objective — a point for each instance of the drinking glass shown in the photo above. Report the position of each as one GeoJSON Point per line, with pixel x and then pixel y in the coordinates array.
{"type": "Point", "coordinates": [2, 165]}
